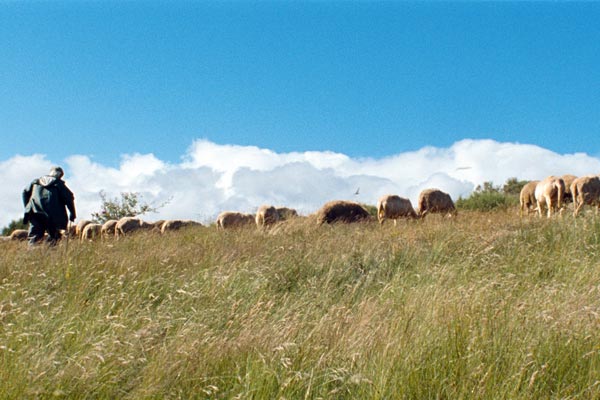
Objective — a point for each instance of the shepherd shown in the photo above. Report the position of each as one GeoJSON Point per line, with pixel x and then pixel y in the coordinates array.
{"type": "Point", "coordinates": [46, 201]}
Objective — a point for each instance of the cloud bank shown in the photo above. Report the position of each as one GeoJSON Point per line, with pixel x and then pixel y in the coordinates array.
{"type": "Point", "coordinates": [212, 177]}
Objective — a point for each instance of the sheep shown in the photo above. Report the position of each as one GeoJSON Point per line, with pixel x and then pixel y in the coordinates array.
{"type": "Point", "coordinates": [80, 225]}
{"type": "Point", "coordinates": [70, 232]}
{"type": "Point", "coordinates": [549, 193]}
{"type": "Point", "coordinates": [527, 197]}
{"type": "Point", "coordinates": [435, 201]}
{"type": "Point", "coordinates": [266, 216]}
{"type": "Point", "coordinates": [232, 219]}
{"type": "Point", "coordinates": [157, 225]}
{"type": "Point", "coordinates": [342, 211]}
{"type": "Point", "coordinates": [131, 224]}
{"type": "Point", "coordinates": [175, 224]}
{"type": "Point", "coordinates": [585, 190]}
{"type": "Point", "coordinates": [91, 231]}
{"type": "Point", "coordinates": [19, 234]}
{"type": "Point", "coordinates": [109, 227]}
{"type": "Point", "coordinates": [286, 213]}
{"type": "Point", "coordinates": [393, 207]}
{"type": "Point", "coordinates": [568, 180]}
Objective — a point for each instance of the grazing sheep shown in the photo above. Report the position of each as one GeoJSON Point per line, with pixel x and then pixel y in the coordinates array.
{"type": "Point", "coordinates": [549, 193]}
{"type": "Point", "coordinates": [70, 231]}
{"type": "Point", "coordinates": [130, 224]}
{"type": "Point", "coordinates": [286, 213]}
{"type": "Point", "coordinates": [91, 231]}
{"type": "Point", "coordinates": [232, 219]}
{"type": "Point", "coordinates": [394, 207]}
{"type": "Point", "coordinates": [435, 201]}
{"type": "Point", "coordinates": [157, 225]}
{"type": "Point", "coordinates": [109, 227]}
{"type": "Point", "coordinates": [175, 224]}
{"type": "Point", "coordinates": [19, 234]}
{"type": "Point", "coordinates": [585, 190]}
{"type": "Point", "coordinates": [527, 197]}
{"type": "Point", "coordinates": [266, 215]}
{"type": "Point", "coordinates": [568, 180]}
{"type": "Point", "coordinates": [342, 211]}
{"type": "Point", "coordinates": [80, 225]}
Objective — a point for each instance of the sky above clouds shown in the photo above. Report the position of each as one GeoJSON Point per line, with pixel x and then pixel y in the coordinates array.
{"type": "Point", "coordinates": [229, 105]}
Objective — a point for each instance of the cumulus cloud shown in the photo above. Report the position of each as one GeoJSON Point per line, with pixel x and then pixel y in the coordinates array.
{"type": "Point", "coordinates": [17, 172]}
{"type": "Point", "coordinates": [213, 177]}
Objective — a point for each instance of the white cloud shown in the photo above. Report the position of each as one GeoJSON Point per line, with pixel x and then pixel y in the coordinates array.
{"type": "Point", "coordinates": [212, 177]}
{"type": "Point", "coordinates": [18, 172]}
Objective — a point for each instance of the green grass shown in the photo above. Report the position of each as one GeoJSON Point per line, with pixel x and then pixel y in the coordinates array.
{"type": "Point", "coordinates": [482, 306]}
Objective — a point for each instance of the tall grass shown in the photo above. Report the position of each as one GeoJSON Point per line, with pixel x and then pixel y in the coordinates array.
{"type": "Point", "coordinates": [484, 306]}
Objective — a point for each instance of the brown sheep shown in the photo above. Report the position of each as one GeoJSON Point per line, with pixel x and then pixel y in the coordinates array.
{"type": "Point", "coordinates": [157, 225]}
{"type": "Point", "coordinates": [568, 180]}
{"type": "Point", "coordinates": [549, 194]}
{"type": "Point", "coordinates": [266, 215]}
{"type": "Point", "coordinates": [342, 211]}
{"type": "Point", "coordinates": [131, 224]}
{"type": "Point", "coordinates": [394, 207]}
{"type": "Point", "coordinates": [232, 219]}
{"type": "Point", "coordinates": [435, 201]}
{"type": "Point", "coordinates": [527, 197]}
{"type": "Point", "coordinates": [286, 213]}
{"type": "Point", "coordinates": [91, 231]}
{"type": "Point", "coordinates": [109, 227]}
{"type": "Point", "coordinates": [19, 234]}
{"type": "Point", "coordinates": [70, 231]}
{"type": "Point", "coordinates": [80, 225]}
{"type": "Point", "coordinates": [585, 190]}
{"type": "Point", "coordinates": [175, 224]}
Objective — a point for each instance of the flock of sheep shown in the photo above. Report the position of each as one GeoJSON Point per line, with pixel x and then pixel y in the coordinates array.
{"type": "Point", "coordinates": [388, 207]}
{"type": "Point", "coordinates": [548, 195]}
{"type": "Point", "coordinates": [551, 194]}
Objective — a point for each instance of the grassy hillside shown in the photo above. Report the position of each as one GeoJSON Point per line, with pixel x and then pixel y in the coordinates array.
{"type": "Point", "coordinates": [486, 306]}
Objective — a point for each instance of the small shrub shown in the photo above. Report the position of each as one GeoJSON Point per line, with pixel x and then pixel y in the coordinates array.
{"type": "Point", "coordinates": [488, 197]}
{"type": "Point", "coordinates": [486, 201]}
{"type": "Point", "coordinates": [371, 209]}
{"type": "Point", "coordinates": [513, 186]}
{"type": "Point", "coordinates": [129, 205]}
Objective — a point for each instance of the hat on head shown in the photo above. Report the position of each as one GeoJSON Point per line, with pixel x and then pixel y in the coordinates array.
{"type": "Point", "coordinates": [56, 172]}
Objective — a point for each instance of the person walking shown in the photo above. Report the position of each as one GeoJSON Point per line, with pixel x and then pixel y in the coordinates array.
{"type": "Point", "coordinates": [45, 200]}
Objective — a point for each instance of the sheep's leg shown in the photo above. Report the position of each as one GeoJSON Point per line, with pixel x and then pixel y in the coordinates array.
{"type": "Point", "coordinates": [578, 208]}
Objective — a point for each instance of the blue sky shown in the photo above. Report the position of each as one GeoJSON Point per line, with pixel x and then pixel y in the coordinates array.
{"type": "Point", "coordinates": [140, 90]}
{"type": "Point", "coordinates": [367, 79]}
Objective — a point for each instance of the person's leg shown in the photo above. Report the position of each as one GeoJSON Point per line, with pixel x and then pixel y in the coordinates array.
{"type": "Point", "coordinates": [37, 228]}
{"type": "Point", "coordinates": [53, 234]}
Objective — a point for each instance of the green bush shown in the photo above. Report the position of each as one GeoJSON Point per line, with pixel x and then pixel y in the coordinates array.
{"type": "Point", "coordinates": [488, 197]}
{"type": "Point", "coordinates": [487, 201]}
{"type": "Point", "coordinates": [371, 209]}
{"type": "Point", "coordinates": [129, 205]}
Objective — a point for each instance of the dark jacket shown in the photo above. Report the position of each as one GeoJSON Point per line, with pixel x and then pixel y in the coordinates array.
{"type": "Point", "coordinates": [49, 196]}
